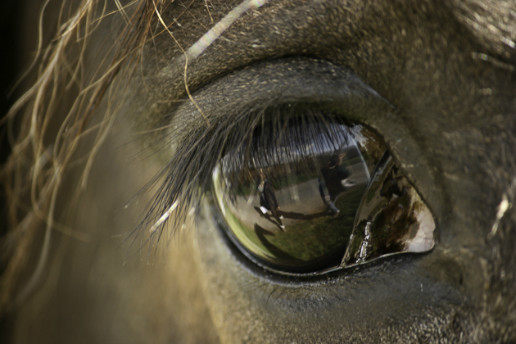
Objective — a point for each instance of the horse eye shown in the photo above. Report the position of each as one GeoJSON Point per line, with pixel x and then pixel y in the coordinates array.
{"type": "Point", "coordinates": [310, 196]}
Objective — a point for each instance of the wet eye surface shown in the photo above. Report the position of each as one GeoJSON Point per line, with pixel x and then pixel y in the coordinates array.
{"type": "Point", "coordinates": [305, 195]}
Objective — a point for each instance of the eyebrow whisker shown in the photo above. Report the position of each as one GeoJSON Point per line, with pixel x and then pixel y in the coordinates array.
{"type": "Point", "coordinates": [216, 31]}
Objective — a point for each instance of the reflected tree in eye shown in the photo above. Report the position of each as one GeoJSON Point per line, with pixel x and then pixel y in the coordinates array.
{"type": "Point", "coordinates": [306, 196]}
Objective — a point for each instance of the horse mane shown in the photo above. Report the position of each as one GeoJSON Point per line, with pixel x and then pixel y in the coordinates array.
{"type": "Point", "coordinates": [40, 154]}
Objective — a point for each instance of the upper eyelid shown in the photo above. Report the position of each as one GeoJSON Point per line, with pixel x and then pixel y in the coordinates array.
{"type": "Point", "coordinates": [277, 82]}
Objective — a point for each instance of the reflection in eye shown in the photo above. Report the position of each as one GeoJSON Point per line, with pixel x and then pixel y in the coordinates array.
{"type": "Point", "coordinates": [304, 196]}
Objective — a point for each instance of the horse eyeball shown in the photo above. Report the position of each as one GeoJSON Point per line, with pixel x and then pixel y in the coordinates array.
{"type": "Point", "coordinates": [311, 196]}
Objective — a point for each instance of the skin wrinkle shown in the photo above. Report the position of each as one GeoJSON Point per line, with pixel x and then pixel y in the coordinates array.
{"type": "Point", "coordinates": [452, 130]}
{"type": "Point", "coordinates": [275, 88]}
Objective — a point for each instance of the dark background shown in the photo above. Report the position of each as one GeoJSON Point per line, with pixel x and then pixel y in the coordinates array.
{"type": "Point", "coordinates": [11, 61]}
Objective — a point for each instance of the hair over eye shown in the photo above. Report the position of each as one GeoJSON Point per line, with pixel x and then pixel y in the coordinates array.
{"type": "Point", "coordinates": [306, 195]}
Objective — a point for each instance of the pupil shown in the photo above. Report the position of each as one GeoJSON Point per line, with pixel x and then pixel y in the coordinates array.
{"type": "Point", "coordinates": [290, 197]}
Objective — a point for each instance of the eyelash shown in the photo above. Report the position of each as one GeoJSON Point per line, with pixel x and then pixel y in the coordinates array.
{"type": "Point", "coordinates": [187, 176]}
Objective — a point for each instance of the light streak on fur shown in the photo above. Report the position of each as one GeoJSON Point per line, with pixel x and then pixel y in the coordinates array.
{"type": "Point", "coordinates": [215, 32]}
{"type": "Point", "coordinates": [502, 209]}
{"type": "Point", "coordinates": [505, 204]}
{"type": "Point", "coordinates": [163, 217]}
